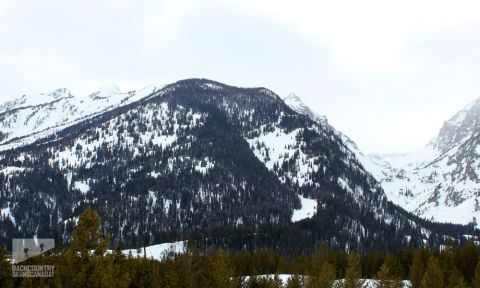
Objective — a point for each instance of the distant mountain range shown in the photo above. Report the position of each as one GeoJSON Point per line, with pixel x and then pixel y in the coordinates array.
{"type": "Point", "coordinates": [440, 182]}
{"type": "Point", "coordinates": [226, 166]}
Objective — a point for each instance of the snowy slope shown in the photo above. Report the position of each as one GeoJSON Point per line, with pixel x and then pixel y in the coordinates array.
{"type": "Point", "coordinates": [307, 167]}
{"type": "Point", "coordinates": [439, 182]}
{"type": "Point", "coordinates": [29, 118]}
{"type": "Point", "coordinates": [367, 283]}
{"type": "Point", "coordinates": [294, 102]}
{"type": "Point", "coordinates": [195, 154]}
{"type": "Point", "coordinates": [308, 209]}
{"type": "Point", "coordinates": [459, 129]}
{"type": "Point", "coordinates": [432, 184]}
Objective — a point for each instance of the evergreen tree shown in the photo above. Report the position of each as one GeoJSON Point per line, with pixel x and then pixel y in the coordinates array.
{"type": "Point", "coordinates": [80, 268]}
{"type": "Point", "coordinates": [275, 282]}
{"type": "Point", "coordinates": [467, 258]}
{"type": "Point", "coordinates": [184, 267]}
{"type": "Point", "coordinates": [295, 281]}
{"type": "Point", "coordinates": [6, 279]}
{"type": "Point", "coordinates": [417, 269]}
{"type": "Point", "coordinates": [385, 280]}
{"type": "Point", "coordinates": [300, 264]}
{"type": "Point", "coordinates": [353, 274]}
{"type": "Point", "coordinates": [433, 276]}
{"type": "Point", "coordinates": [456, 279]}
{"type": "Point", "coordinates": [263, 282]}
{"type": "Point", "coordinates": [87, 235]}
{"type": "Point", "coordinates": [325, 278]}
{"type": "Point", "coordinates": [213, 272]}
{"type": "Point", "coordinates": [319, 258]}
{"type": "Point", "coordinates": [476, 279]}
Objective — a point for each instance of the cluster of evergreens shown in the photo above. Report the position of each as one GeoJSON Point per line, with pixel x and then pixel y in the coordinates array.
{"type": "Point", "coordinates": [86, 263]}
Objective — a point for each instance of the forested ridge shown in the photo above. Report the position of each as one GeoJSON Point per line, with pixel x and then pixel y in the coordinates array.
{"type": "Point", "coordinates": [85, 263]}
{"type": "Point", "coordinates": [202, 160]}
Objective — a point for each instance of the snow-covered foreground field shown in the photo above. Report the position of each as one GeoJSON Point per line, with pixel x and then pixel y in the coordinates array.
{"type": "Point", "coordinates": [369, 283]}
{"type": "Point", "coordinates": [158, 251]}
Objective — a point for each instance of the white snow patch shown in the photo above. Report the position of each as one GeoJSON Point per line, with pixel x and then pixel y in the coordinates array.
{"type": "Point", "coordinates": [211, 86]}
{"type": "Point", "coordinates": [154, 174]}
{"type": "Point", "coordinates": [308, 209]}
{"type": "Point", "coordinates": [204, 165]}
{"type": "Point", "coordinates": [159, 251]}
{"type": "Point", "coordinates": [6, 212]}
{"type": "Point", "coordinates": [151, 195]}
{"type": "Point", "coordinates": [11, 170]}
{"type": "Point", "coordinates": [82, 186]}
{"type": "Point", "coordinates": [283, 277]}
{"type": "Point", "coordinates": [368, 283]}
{"type": "Point", "coordinates": [273, 148]}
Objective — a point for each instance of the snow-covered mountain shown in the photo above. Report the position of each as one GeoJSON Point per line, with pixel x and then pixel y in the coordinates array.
{"type": "Point", "coordinates": [439, 182]}
{"type": "Point", "coordinates": [297, 104]}
{"type": "Point", "coordinates": [196, 158]}
{"type": "Point", "coordinates": [294, 102]}
{"type": "Point", "coordinates": [32, 117]}
{"type": "Point", "coordinates": [459, 129]}
{"type": "Point", "coordinates": [442, 181]}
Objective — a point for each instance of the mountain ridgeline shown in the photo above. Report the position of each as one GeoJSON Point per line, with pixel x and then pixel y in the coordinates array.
{"type": "Point", "coordinates": [440, 182]}
{"type": "Point", "coordinates": [197, 159]}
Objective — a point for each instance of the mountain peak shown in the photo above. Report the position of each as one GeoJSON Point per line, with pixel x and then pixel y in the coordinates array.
{"type": "Point", "coordinates": [294, 102]}
{"type": "Point", "coordinates": [459, 128]}
{"type": "Point", "coordinates": [105, 91]}
{"type": "Point", "coordinates": [36, 99]}
{"type": "Point", "coordinates": [34, 116]}
{"type": "Point", "coordinates": [59, 93]}
{"type": "Point", "coordinates": [293, 98]}
{"type": "Point", "coordinates": [441, 181]}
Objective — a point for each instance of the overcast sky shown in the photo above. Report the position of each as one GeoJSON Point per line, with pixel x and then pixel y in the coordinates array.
{"type": "Point", "coordinates": [386, 73]}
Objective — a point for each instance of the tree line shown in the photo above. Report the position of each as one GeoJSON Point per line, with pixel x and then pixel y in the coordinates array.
{"type": "Point", "coordinates": [86, 263]}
